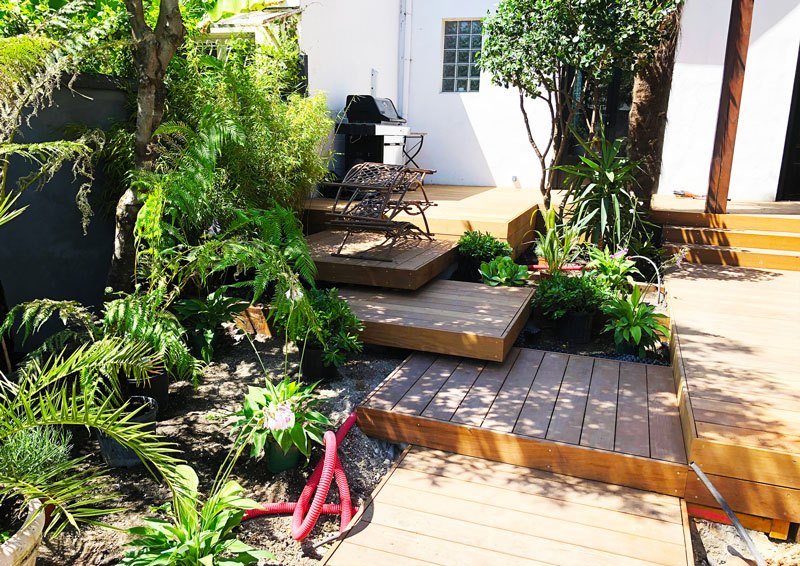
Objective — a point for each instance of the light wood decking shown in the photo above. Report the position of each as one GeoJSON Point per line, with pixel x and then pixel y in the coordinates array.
{"type": "Point", "coordinates": [737, 365]}
{"type": "Point", "coordinates": [451, 510]}
{"type": "Point", "coordinates": [586, 417]}
{"type": "Point", "coordinates": [414, 262]}
{"type": "Point", "coordinates": [449, 317]}
{"type": "Point", "coordinates": [503, 212]}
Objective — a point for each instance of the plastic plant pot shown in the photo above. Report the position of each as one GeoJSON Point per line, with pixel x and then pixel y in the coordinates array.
{"type": "Point", "coordinates": [156, 387]}
{"type": "Point", "coordinates": [312, 366]}
{"type": "Point", "coordinates": [576, 327]}
{"type": "Point", "coordinates": [117, 455]}
{"type": "Point", "coordinates": [279, 461]}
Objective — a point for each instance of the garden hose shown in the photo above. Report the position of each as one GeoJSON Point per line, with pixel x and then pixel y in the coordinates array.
{"type": "Point", "coordinates": [304, 517]}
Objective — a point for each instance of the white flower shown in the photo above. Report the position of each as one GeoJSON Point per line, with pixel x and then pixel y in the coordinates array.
{"type": "Point", "coordinates": [280, 417]}
{"type": "Point", "coordinates": [214, 229]}
{"type": "Point", "coordinates": [294, 294]}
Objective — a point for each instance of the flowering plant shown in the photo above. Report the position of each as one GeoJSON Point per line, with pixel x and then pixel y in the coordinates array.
{"type": "Point", "coordinates": [282, 413]}
{"type": "Point", "coordinates": [614, 270]}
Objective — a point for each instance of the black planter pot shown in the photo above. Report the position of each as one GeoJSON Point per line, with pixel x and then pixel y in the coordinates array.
{"type": "Point", "coordinates": [312, 367]}
{"type": "Point", "coordinates": [117, 455]}
{"type": "Point", "coordinates": [468, 270]}
{"type": "Point", "coordinates": [156, 387]}
{"type": "Point", "coordinates": [576, 327]}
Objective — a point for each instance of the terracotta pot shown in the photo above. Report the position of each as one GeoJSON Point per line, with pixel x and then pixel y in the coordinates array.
{"type": "Point", "coordinates": [23, 548]}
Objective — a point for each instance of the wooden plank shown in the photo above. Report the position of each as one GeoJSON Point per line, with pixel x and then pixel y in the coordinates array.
{"type": "Point", "coordinates": [779, 529]}
{"type": "Point", "coordinates": [567, 420]}
{"type": "Point", "coordinates": [477, 402]}
{"type": "Point", "coordinates": [666, 437]}
{"type": "Point", "coordinates": [402, 379]}
{"type": "Point", "coordinates": [748, 437]}
{"type": "Point", "coordinates": [620, 469]}
{"type": "Point", "coordinates": [449, 397]}
{"type": "Point", "coordinates": [768, 466]}
{"type": "Point", "coordinates": [687, 535]}
{"type": "Point", "coordinates": [538, 408]}
{"type": "Point", "coordinates": [633, 434]}
{"type": "Point", "coordinates": [717, 515]}
{"type": "Point", "coordinates": [741, 18]}
{"type": "Point", "coordinates": [601, 408]}
{"type": "Point", "coordinates": [349, 554]}
{"type": "Point", "coordinates": [508, 403]}
{"type": "Point", "coordinates": [421, 393]}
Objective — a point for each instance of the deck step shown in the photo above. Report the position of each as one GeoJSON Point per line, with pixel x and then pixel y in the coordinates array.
{"type": "Point", "coordinates": [738, 256]}
{"type": "Point", "coordinates": [763, 222]}
{"type": "Point", "coordinates": [759, 239]}
{"type": "Point", "coordinates": [436, 507]}
{"type": "Point", "coordinates": [412, 263]}
{"type": "Point", "coordinates": [446, 317]}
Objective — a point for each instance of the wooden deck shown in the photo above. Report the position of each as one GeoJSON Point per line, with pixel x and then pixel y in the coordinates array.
{"type": "Point", "coordinates": [413, 262]}
{"type": "Point", "coordinates": [451, 510]}
{"type": "Point", "coordinates": [448, 317]}
{"type": "Point", "coordinates": [737, 365]}
{"type": "Point", "coordinates": [503, 212]}
{"type": "Point", "coordinates": [591, 418]}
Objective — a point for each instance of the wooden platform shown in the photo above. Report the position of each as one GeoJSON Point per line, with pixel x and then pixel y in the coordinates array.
{"type": "Point", "coordinates": [413, 262]}
{"type": "Point", "coordinates": [451, 510]}
{"type": "Point", "coordinates": [737, 366]}
{"type": "Point", "coordinates": [448, 317]}
{"type": "Point", "coordinates": [585, 417]}
{"type": "Point", "coordinates": [503, 212]}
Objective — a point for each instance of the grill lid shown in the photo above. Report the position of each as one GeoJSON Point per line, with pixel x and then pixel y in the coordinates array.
{"type": "Point", "coordinates": [369, 109]}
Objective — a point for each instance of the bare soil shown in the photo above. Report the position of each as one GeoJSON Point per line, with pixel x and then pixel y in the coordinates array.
{"type": "Point", "coordinates": [198, 421]}
{"type": "Point", "coordinates": [716, 544]}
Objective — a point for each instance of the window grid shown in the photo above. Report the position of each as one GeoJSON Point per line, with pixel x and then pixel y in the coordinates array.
{"type": "Point", "coordinates": [462, 45]}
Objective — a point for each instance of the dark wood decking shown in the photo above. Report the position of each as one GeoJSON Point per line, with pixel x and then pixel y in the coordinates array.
{"type": "Point", "coordinates": [592, 418]}
{"type": "Point", "coordinates": [414, 262]}
{"type": "Point", "coordinates": [449, 317]}
{"type": "Point", "coordinates": [446, 509]}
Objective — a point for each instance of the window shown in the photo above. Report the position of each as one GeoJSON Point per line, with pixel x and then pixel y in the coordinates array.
{"type": "Point", "coordinates": [462, 46]}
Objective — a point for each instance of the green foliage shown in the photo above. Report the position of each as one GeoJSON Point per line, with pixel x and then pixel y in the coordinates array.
{"type": "Point", "coordinates": [196, 533]}
{"type": "Point", "coordinates": [282, 413]}
{"type": "Point", "coordinates": [482, 246]}
{"type": "Point", "coordinates": [203, 318]}
{"type": "Point", "coordinates": [615, 270]}
{"type": "Point", "coordinates": [33, 451]}
{"type": "Point", "coordinates": [559, 294]}
{"type": "Point", "coordinates": [47, 395]}
{"type": "Point", "coordinates": [332, 326]}
{"type": "Point", "coordinates": [601, 188]}
{"type": "Point", "coordinates": [503, 271]}
{"type": "Point", "coordinates": [559, 245]}
{"type": "Point", "coordinates": [633, 322]}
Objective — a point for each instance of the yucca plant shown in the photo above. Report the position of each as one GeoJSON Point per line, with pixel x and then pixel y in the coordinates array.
{"type": "Point", "coordinates": [76, 389]}
{"type": "Point", "coordinates": [634, 323]}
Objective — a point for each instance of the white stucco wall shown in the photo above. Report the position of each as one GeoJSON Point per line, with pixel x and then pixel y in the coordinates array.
{"type": "Point", "coordinates": [473, 138]}
{"type": "Point", "coordinates": [766, 98]}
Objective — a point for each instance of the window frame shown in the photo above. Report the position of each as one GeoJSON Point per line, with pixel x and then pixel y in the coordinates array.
{"type": "Point", "coordinates": [441, 78]}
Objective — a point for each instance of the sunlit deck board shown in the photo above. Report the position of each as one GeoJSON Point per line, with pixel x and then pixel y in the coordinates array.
{"type": "Point", "coordinates": [448, 317]}
{"type": "Point", "coordinates": [593, 418]}
{"type": "Point", "coordinates": [735, 336]}
{"type": "Point", "coordinates": [413, 262]}
{"type": "Point", "coordinates": [503, 212]}
{"type": "Point", "coordinates": [446, 509]}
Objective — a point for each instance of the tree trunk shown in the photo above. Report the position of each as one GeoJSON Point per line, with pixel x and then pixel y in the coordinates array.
{"type": "Point", "coordinates": [152, 52]}
{"type": "Point", "coordinates": [648, 116]}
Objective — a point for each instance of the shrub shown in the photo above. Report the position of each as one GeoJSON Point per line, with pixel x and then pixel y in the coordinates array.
{"type": "Point", "coordinates": [560, 294]}
{"type": "Point", "coordinates": [204, 318]}
{"type": "Point", "coordinates": [615, 270]}
{"type": "Point", "coordinates": [559, 245]}
{"type": "Point", "coordinates": [502, 270]}
{"type": "Point", "coordinates": [482, 246]}
{"type": "Point", "coordinates": [633, 322]}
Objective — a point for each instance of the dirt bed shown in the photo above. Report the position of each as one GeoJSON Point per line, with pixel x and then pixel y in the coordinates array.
{"type": "Point", "coordinates": [716, 544]}
{"type": "Point", "coordinates": [199, 422]}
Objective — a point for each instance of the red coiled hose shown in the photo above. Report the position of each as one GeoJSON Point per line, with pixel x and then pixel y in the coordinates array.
{"type": "Point", "coordinates": [320, 480]}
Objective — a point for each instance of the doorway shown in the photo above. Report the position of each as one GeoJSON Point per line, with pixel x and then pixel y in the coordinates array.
{"type": "Point", "coordinates": [789, 181]}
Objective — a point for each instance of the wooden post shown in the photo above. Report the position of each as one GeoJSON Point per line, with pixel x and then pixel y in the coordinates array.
{"type": "Point", "coordinates": [719, 179]}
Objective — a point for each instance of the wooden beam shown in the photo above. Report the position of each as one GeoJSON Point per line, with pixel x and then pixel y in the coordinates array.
{"type": "Point", "coordinates": [730, 98]}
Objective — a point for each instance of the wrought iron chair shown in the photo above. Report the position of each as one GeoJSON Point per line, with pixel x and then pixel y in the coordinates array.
{"type": "Point", "coordinates": [378, 193]}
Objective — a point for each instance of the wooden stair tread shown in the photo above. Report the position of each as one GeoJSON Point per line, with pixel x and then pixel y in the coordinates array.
{"type": "Point", "coordinates": [708, 247]}
{"type": "Point", "coordinates": [718, 229]}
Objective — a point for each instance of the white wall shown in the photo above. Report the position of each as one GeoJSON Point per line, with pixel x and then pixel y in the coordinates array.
{"type": "Point", "coordinates": [766, 98]}
{"type": "Point", "coordinates": [473, 138]}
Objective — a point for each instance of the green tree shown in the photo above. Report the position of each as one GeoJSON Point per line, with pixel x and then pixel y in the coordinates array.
{"type": "Point", "coordinates": [563, 52]}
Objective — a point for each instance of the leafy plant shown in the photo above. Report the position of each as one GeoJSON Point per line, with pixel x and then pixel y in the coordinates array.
{"type": "Point", "coordinates": [559, 245]}
{"type": "Point", "coordinates": [559, 294]}
{"type": "Point", "coordinates": [282, 413]}
{"type": "Point", "coordinates": [615, 270]}
{"type": "Point", "coordinates": [204, 318]}
{"type": "Point", "coordinates": [482, 246]}
{"type": "Point", "coordinates": [601, 188]}
{"type": "Point", "coordinates": [503, 271]}
{"type": "Point", "coordinates": [197, 533]}
{"type": "Point", "coordinates": [634, 322]}
{"type": "Point", "coordinates": [333, 327]}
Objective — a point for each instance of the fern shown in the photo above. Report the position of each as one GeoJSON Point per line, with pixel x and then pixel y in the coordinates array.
{"type": "Point", "coordinates": [34, 314]}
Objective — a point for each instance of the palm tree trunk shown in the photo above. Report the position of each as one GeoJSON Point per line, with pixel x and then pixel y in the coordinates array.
{"type": "Point", "coordinates": [648, 116]}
